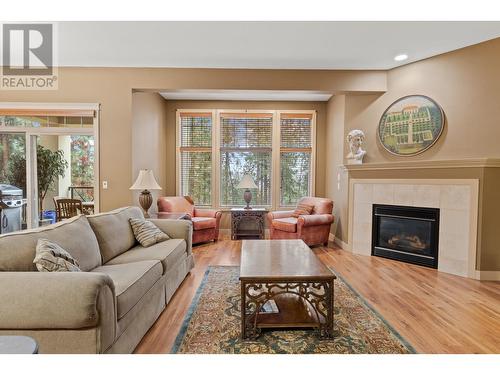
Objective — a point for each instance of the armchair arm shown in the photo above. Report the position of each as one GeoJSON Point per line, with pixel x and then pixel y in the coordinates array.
{"type": "Point", "coordinates": [58, 300]}
{"type": "Point", "coordinates": [206, 212]}
{"type": "Point", "coordinates": [312, 220]}
{"type": "Point", "coordinates": [177, 229]}
{"type": "Point", "coordinates": [279, 214]}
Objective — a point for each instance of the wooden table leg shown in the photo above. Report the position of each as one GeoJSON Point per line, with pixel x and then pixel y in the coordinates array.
{"type": "Point", "coordinates": [243, 311]}
{"type": "Point", "coordinates": [330, 310]}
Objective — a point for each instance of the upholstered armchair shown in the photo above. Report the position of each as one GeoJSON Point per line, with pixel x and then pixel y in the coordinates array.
{"type": "Point", "coordinates": [205, 221]}
{"type": "Point", "coordinates": [312, 228]}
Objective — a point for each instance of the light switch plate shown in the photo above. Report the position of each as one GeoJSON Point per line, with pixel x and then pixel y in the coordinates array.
{"type": "Point", "coordinates": [105, 184]}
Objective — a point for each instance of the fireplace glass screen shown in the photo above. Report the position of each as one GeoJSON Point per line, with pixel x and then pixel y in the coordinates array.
{"type": "Point", "coordinates": [409, 234]}
{"type": "Point", "coordinates": [405, 234]}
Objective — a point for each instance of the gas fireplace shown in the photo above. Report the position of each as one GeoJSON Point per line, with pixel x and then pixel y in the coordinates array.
{"type": "Point", "coordinates": [408, 234]}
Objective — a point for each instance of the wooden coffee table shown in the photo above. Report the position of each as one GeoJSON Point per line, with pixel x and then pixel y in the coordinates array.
{"type": "Point", "coordinates": [288, 272]}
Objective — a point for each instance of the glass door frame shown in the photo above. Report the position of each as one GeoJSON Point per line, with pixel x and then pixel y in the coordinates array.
{"type": "Point", "coordinates": [31, 135]}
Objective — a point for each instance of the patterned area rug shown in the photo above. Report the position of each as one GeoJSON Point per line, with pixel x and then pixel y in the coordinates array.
{"type": "Point", "coordinates": [212, 324]}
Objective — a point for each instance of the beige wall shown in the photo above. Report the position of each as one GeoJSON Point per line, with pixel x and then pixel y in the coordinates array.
{"type": "Point", "coordinates": [466, 83]}
{"type": "Point", "coordinates": [336, 181]}
{"type": "Point", "coordinates": [321, 149]}
{"type": "Point", "coordinates": [150, 141]}
{"type": "Point", "coordinates": [113, 87]}
{"type": "Point", "coordinates": [489, 256]}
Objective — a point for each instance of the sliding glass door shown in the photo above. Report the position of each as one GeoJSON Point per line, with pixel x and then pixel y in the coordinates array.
{"type": "Point", "coordinates": [64, 169]}
{"type": "Point", "coordinates": [43, 159]}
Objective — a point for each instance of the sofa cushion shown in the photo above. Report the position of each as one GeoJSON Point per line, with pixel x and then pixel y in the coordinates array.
{"type": "Point", "coordinates": [167, 252]}
{"type": "Point", "coordinates": [113, 230]}
{"type": "Point", "coordinates": [50, 257]}
{"type": "Point", "coordinates": [132, 281]}
{"type": "Point", "coordinates": [17, 250]}
{"type": "Point", "coordinates": [200, 223]}
{"type": "Point", "coordinates": [146, 232]}
{"type": "Point", "coordinates": [286, 224]}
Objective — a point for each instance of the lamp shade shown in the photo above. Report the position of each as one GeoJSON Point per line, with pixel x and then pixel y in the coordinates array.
{"type": "Point", "coordinates": [247, 183]}
{"type": "Point", "coordinates": [145, 181]}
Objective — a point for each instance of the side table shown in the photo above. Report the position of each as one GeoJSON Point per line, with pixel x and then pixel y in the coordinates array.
{"type": "Point", "coordinates": [247, 223]}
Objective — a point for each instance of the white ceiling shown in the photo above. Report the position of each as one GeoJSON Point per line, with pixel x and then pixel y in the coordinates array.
{"type": "Point", "coordinates": [264, 95]}
{"type": "Point", "coordinates": [263, 45]}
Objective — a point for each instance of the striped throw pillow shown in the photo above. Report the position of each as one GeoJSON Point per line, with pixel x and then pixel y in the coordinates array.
{"type": "Point", "coordinates": [303, 209]}
{"type": "Point", "coordinates": [146, 232]}
{"type": "Point", "coordinates": [50, 257]}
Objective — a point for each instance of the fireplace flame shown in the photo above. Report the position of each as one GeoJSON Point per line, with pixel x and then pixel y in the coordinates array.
{"type": "Point", "coordinates": [412, 241]}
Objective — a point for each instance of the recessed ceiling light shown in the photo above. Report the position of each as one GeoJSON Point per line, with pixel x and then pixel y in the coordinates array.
{"type": "Point", "coordinates": [401, 57]}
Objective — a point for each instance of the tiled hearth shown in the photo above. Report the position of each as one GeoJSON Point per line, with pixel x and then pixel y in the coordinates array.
{"type": "Point", "coordinates": [457, 201]}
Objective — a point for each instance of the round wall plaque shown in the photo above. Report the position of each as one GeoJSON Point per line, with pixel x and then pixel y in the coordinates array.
{"type": "Point", "coordinates": [410, 125]}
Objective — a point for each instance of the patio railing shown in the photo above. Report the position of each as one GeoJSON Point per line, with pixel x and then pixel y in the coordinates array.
{"type": "Point", "coordinates": [85, 193]}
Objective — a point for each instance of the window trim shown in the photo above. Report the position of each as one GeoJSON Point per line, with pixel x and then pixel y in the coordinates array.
{"type": "Point", "coordinates": [275, 153]}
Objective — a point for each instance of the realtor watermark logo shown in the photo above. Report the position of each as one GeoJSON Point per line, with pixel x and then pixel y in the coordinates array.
{"type": "Point", "coordinates": [28, 57]}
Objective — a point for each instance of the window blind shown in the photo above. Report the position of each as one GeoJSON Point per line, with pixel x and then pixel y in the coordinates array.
{"type": "Point", "coordinates": [295, 132]}
{"type": "Point", "coordinates": [246, 130]}
{"type": "Point", "coordinates": [196, 130]}
{"type": "Point", "coordinates": [295, 157]}
{"type": "Point", "coordinates": [196, 156]}
{"type": "Point", "coordinates": [196, 176]}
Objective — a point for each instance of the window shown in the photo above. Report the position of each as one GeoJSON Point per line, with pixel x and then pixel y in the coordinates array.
{"type": "Point", "coordinates": [295, 157]}
{"type": "Point", "coordinates": [245, 148]}
{"type": "Point", "coordinates": [196, 157]}
{"type": "Point", "coordinates": [217, 148]}
{"type": "Point", "coordinates": [47, 118]}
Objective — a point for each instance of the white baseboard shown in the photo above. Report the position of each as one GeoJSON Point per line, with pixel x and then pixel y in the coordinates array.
{"type": "Point", "coordinates": [488, 275]}
{"type": "Point", "coordinates": [338, 242]}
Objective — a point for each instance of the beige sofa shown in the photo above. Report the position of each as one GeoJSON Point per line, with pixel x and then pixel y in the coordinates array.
{"type": "Point", "coordinates": [109, 307]}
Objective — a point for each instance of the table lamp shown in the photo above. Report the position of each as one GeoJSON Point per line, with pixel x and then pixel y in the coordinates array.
{"type": "Point", "coordinates": [145, 182]}
{"type": "Point", "coordinates": [247, 184]}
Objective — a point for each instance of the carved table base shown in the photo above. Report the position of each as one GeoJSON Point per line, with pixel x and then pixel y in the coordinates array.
{"type": "Point", "coordinates": [302, 303]}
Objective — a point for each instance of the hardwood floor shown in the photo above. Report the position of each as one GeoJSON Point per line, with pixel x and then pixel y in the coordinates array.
{"type": "Point", "coordinates": [435, 312]}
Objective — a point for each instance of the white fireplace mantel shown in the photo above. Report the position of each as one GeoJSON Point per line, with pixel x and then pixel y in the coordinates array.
{"type": "Point", "coordinates": [457, 200]}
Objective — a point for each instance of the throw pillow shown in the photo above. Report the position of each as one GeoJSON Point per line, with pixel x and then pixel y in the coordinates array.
{"type": "Point", "coordinates": [50, 257]}
{"type": "Point", "coordinates": [146, 232]}
{"type": "Point", "coordinates": [303, 209]}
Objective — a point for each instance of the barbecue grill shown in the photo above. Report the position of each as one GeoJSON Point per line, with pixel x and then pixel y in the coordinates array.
{"type": "Point", "coordinates": [11, 202]}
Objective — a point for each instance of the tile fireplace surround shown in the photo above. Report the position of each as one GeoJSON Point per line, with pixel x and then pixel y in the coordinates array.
{"type": "Point", "coordinates": [456, 199]}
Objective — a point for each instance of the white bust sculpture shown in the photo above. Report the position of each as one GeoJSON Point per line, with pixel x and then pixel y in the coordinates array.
{"type": "Point", "coordinates": [355, 138]}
